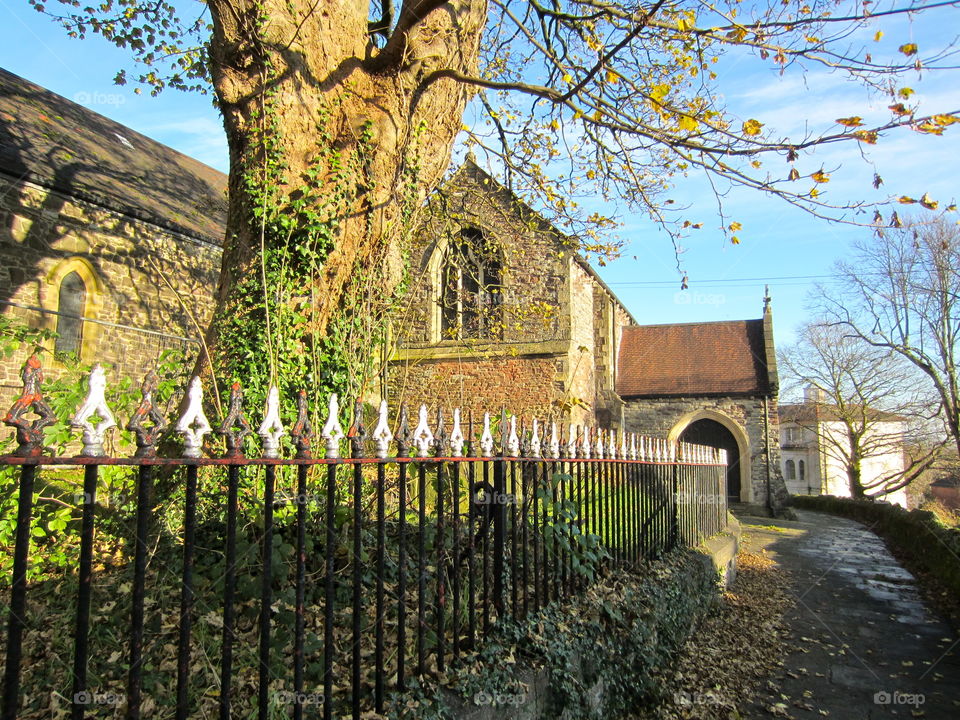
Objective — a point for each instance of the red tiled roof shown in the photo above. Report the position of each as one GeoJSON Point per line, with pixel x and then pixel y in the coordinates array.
{"type": "Point", "coordinates": [716, 358]}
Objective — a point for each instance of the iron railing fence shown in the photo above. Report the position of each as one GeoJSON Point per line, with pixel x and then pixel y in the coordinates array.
{"type": "Point", "coordinates": [278, 587]}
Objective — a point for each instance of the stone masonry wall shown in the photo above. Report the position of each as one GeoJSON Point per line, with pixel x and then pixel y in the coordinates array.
{"type": "Point", "coordinates": [146, 289]}
{"type": "Point", "coordinates": [659, 417]}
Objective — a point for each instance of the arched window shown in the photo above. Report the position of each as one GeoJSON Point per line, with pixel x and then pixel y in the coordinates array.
{"type": "Point", "coordinates": [790, 470]}
{"type": "Point", "coordinates": [802, 469]}
{"type": "Point", "coordinates": [71, 300]}
{"type": "Point", "coordinates": [470, 288]}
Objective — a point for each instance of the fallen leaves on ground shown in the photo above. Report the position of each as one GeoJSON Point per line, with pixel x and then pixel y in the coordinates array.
{"type": "Point", "coordinates": [734, 651]}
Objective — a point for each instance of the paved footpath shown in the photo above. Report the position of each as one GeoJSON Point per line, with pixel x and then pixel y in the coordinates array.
{"type": "Point", "coordinates": [864, 643]}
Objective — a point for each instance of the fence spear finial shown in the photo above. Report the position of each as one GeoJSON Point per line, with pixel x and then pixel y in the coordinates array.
{"type": "Point", "coordinates": [456, 436]}
{"type": "Point", "coordinates": [554, 440]}
{"type": "Point", "coordinates": [332, 431]}
{"type": "Point", "coordinates": [234, 426]}
{"type": "Point", "coordinates": [30, 432]}
{"type": "Point", "coordinates": [513, 440]}
{"type": "Point", "coordinates": [271, 429]}
{"type": "Point", "coordinates": [95, 404]}
{"type": "Point", "coordinates": [193, 424]}
{"type": "Point", "coordinates": [486, 438]}
{"type": "Point", "coordinates": [422, 435]}
{"type": "Point", "coordinates": [381, 433]}
{"type": "Point", "coordinates": [535, 444]}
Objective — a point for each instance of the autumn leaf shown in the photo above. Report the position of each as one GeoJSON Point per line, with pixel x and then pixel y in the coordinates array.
{"type": "Point", "coordinates": [877, 181]}
{"type": "Point", "coordinates": [688, 123]}
{"type": "Point", "coordinates": [791, 155]}
{"type": "Point", "coordinates": [794, 174]}
{"type": "Point", "coordinates": [855, 121]}
{"type": "Point", "coordinates": [895, 221]}
{"type": "Point", "coordinates": [752, 127]}
{"type": "Point", "coordinates": [568, 78]}
{"type": "Point", "coordinates": [905, 93]}
{"type": "Point", "coordinates": [908, 49]}
{"type": "Point", "coordinates": [867, 136]}
{"type": "Point", "coordinates": [876, 38]}
{"type": "Point", "coordinates": [905, 200]}
{"type": "Point", "coordinates": [945, 119]}
{"type": "Point", "coordinates": [612, 77]}
{"type": "Point", "coordinates": [929, 128]}
{"type": "Point", "coordinates": [734, 226]}
{"type": "Point", "coordinates": [820, 177]}
{"type": "Point", "coordinates": [900, 109]}
{"type": "Point", "coordinates": [735, 240]}
{"type": "Point", "coordinates": [928, 202]}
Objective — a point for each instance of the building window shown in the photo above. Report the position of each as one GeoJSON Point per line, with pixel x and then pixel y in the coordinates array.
{"type": "Point", "coordinates": [71, 303]}
{"type": "Point", "coordinates": [794, 435]}
{"type": "Point", "coordinates": [790, 470]}
{"type": "Point", "coordinates": [470, 289]}
{"type": "Point", "coordinates": [802, 469]}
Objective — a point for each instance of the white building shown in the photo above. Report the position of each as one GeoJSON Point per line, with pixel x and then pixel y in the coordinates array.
{"type": "Point", "coordinates": [811, 438]}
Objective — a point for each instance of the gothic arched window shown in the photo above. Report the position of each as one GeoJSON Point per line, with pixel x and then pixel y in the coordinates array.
{"type": "Point", "coordinates": [802, 469]}
{"type": "Point", "coordinates": [790, 470]}
{"type": "Point", "coordinates": [70, 307]}
{"type": "Point", "coordinates": [470, 288]}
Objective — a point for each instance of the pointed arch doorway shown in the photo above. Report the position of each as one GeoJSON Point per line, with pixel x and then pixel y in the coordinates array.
{"type": "Point", "coordinates": [714, 429]}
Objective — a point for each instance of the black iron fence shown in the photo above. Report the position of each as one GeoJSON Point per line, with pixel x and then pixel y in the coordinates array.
{"type": "Point", "coordinates": [278, 587]}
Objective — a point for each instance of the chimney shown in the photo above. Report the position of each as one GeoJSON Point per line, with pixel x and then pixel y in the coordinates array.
{"type": "Point", "coordinates": [813, 395]}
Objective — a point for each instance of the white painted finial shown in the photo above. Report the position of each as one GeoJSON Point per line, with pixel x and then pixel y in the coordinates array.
{"type": "Point", "coordinates": [332, 431]}
{"type": "Point", "coordinates": [513, 440]}
{"type": "Point", "coordinates": [554, 441]}
{"type": "Point", "coordinates": [486, 439]}
{"type": "Point", "coordinates": [193, 425]}
{"type": "Point", "coordinates": [572, 442]}
{"type": "Point", "coordinates": [623, 446]}
{"type": "Point", "coordinates": [95, 404]}
{"type": "Point", "coordinates": [456, 436]}
{"type": "Point", "coordinates": [598, 447]}
{"type": "Point", "coordinates": [271, 429]}
{"type": "Point", "coordinates": [585, 443]}
{"type": "Point", "coordinates": [381, 433]}
{"type": "Point", "coordinates": [535, 444]}
{"type": "Point", "coordinates": [422, 435]}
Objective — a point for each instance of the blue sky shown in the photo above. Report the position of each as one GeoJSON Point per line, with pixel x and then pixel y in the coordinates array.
{"type": "Point", "coordinates": [781, 246]}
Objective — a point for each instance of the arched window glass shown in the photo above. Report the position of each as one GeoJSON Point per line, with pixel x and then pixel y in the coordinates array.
{"type": "Point", "coordinates": [802, 469]}
{"type": "Point", "coordinates": [70, 306]}
{"type": "Point", "coordinates": [790, 470]}
{"type": "Point", "coordinates": [471, 290]}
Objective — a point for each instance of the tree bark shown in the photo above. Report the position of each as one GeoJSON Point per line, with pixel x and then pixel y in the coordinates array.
{"type": "Point", "coordinates": [309, 102]}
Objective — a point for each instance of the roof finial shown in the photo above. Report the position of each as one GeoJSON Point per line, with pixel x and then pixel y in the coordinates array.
{"type": "Point", "coordinates": [766, 298]}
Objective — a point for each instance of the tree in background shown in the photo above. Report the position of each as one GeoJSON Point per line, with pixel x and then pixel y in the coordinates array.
{"type": "Point", "coordinates": [900, 293]}
{"type": "Point", "coordinates": [340, 119]}
{"type": "Point", "coordinates": [872, 405]}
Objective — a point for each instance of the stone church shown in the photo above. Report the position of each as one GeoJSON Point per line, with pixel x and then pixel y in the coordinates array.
{"type": "Point", "coordinates": [112, 240]}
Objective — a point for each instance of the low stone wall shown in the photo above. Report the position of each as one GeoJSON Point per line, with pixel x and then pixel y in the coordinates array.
{"type": "Point", "coordinates": [595, 657]}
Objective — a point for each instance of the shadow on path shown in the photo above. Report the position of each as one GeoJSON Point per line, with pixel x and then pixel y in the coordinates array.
{"type": "Point", "coordinates": [864, 643]}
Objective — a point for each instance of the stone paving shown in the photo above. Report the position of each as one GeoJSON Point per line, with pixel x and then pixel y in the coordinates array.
{"type": "Point", "coordinates": [864, 643]}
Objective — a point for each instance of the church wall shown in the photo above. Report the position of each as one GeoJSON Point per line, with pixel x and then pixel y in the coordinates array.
{"type": "Point", "coordinates": [659, 416]}
{"type": "Point", "coordinates": [142, 283]}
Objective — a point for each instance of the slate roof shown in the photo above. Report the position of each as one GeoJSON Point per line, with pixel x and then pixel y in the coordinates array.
{"type": "Point", "coordinates": [58, 144]}
{"type": "Point", "coordinates": [694, 359]}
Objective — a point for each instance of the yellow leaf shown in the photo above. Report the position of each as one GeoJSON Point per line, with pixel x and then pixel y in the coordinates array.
{"type": "Point", "coordinates": [591, 174]}
{"type": "Point", "coordinates": [945, 119]}
{"type": "Point", "coordinates": [752, 127]}
{"type": "Point", "coordinates": [855, 121]}
{"type": "Point", "coordinates": [612, 77]}
{"type": "Point", "coordinates": [867, 136]}
{"type": "Point", "coordinates": [900, 109]}
{"type": "Point", "coordinates": [820, 177]}
{"type": "Point", "coordinates": [906, 200]}
{"type": "Point", "coordinates": [909, 49]}
{"type": "Point", "coordinates": [876, 38]}
{"type": "Point", "coordinates": [929, 128]}
{"type": "Point", "coordinates": [905, 93]}
{"type": "Point", "coordinates": [928, 202]}
{"type": "Point", "coordinates": [794, 174]}
{"type": "Point", "coordinates": [735, 240]}
{"type": "Point", "coordinates": [756, 163]}
{"type": "Point", "coordinates": [734, 226]}
{"type": "Point", "coordinates": [554, 124]}
{"type": "Point", "coordinates": [814, 192]}
{"type": "Point", "coordinates": [659, 92]}
{"type": "Point", "coordinates": [568, 78]}
{"type": "Point", "coordinates": [688, 123]}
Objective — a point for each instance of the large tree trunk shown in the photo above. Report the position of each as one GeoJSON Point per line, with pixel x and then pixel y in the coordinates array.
{"type": "Point", "coordinates": [334, 145]}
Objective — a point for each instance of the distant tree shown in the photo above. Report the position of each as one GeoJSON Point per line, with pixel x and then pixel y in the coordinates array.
{"type": "Point", "coordinates": [900, 292]}
{"type": "Point", "coordinates": [873, 405]}
{"type": "Point", "coordinates": [341, 116]}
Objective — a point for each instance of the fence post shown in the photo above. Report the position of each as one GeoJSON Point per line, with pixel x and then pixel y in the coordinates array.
{"type": "Point", "coordinates": [499, 510]}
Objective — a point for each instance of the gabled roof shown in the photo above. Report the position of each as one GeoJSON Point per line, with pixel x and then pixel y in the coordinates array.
{"type": "Point", "coordinates": [695, 359]}
{"type": "Point", "coordinates": [63, 146]}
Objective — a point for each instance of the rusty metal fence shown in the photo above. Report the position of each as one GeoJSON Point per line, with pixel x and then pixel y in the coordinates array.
{"type": "Point", "coordinates": [310, 587]}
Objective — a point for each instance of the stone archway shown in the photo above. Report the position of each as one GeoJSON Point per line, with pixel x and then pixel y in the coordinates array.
{"type": "Point", "coordinates": [713, 428]}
